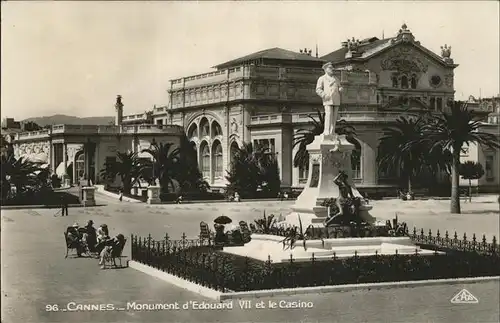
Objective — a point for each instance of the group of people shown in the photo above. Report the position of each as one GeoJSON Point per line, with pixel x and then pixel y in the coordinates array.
{"type": "Point", "coordinates": [93, 242]}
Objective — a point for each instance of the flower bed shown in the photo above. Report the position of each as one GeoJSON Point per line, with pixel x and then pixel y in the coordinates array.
{"type": "Point", "coordinates": [195, 261]}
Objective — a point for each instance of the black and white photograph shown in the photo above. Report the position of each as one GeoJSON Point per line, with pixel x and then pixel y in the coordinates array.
{"type": "Point", "coordinates": [250, 161]}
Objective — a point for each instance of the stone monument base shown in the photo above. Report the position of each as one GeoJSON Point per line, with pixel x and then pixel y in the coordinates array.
{"type": "Point", "coordinates": [154, 195]}
{"type": "Point", "coordinates": [328, 155]}
{"type": "Point", "coordinates": [263, 246]}
{"type": "Point", "coordinates": [88, 196]}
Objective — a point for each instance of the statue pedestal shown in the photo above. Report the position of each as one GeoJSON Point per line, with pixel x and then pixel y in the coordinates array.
{"type": "Point", "coordinates": [88, 198]}
{"type": "Point", "coordinates": [327, 157]}
{"type": "Point", "coordinates": [154, 195]}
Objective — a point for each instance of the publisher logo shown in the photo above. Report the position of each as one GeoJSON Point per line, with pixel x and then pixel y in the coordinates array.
{"type": "Point", "coordinates": [464, 297]}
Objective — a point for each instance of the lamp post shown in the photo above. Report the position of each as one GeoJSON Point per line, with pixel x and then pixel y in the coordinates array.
{"type": "Point", "coordinates": [153, 143]}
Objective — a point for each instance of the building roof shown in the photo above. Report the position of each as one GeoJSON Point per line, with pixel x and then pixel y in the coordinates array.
{"type": "Point", "coordinates": [369, 47]}
{"type": "Point", "coordinates": [366, 46]}
{"type": "Point", "coordinates": [275, 53]}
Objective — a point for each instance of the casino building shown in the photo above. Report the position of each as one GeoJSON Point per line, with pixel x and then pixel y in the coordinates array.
{"type": "Point", "coordinates": [265, 98]}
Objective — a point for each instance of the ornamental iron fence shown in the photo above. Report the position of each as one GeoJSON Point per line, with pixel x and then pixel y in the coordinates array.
{"type": "Point", "coordinates": [202, 263]}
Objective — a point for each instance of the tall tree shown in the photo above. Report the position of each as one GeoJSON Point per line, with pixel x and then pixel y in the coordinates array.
{"type": "Point", "coordinates": [471, 170]}
{"type": "Point", "coordinates": [21, 173]}
{"type": "Point", "coordinates": [188, 173]}
{"type": "Point", "coordinates": [304, 137]}
{"type": "Point", "coordinates": [127, 166]}
{"type": "Point", "coordinates": [449, 132]}
{"type": "Point", "coordinates": [253, 168]}
{"type": "Point", "coordinates": [164, 164]}
{"type": "Point", "coordinates": [402, 149]}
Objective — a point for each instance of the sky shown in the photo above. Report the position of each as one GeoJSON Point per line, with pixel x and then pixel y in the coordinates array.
{"type": "Point", "coordinates": [75, 57]}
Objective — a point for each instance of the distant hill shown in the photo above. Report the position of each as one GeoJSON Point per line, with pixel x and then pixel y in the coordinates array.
{"type": "Point", "coordinates": [64, 119]}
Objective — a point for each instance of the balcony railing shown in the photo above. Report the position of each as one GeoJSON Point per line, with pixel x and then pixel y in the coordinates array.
{"type": "Point", "coordinates": [99, 130]}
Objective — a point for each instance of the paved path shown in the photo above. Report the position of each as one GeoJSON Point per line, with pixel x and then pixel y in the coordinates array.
{"type": "Point", "coordinates": [35, 273]}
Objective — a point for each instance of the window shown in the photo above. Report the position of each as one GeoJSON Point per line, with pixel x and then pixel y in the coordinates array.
{"type": "Point", "coordinates": [404, 82]}
{"type": "Point", "coordinates": [205, 161]}
{"type": "Point", "coordinates": [80, 164]}
{"type": "Point", "coordinates": [356, 161]}
{"type": "Point", "coordinates": [433, 103]}
{"type": "Point", "coordinates": [204, 127]}
{"type": "Point", "coordinates": [216, 129]}
{"type": "Point", "coordinates": [234, 149]}
{"type": "Point", "coordinates": [159, 122]}
{"type": "Point", "coordinates": [413, 81]}
{"type": "Point", "coordinates": [303, 174]}
{"type": "Point", "coordinates": [217, 160]}
{"type": "Point", "coordinates": [439, 104]}
{"type": "Point", "coordinates": [193, 131]}
{"type": "Point", "coordinates": [489, 164]}
{"type": "Point", "coordinates": [394, 81]}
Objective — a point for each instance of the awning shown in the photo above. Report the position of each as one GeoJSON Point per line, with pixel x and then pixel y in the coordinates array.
{"type": "Point", "coordinates": [60, 169]}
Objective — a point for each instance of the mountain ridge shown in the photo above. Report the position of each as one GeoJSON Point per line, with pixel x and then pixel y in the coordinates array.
{"type": "Point", "coordinates": [67, 119]}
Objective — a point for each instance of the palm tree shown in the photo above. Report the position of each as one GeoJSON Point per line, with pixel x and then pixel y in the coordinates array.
{"type": "Point", "coordinates": [128, 166]}
{"type": "Point", "coordinates": [187, 171]}
{"type": "Point", "coordinates": [471, 170]}
{"type": "Point", "coordinates": [253, 168]}
{"type": "Point", "coordinates": [18, 172]}
{"type": "Point", "coordinates": [450, 132]}
{"type": "Point", "coordinates": [164, 165]}
{"type": "Point", "coordinates": [401, 149]}
{"type": "Point", "coordinates": [304, 137]}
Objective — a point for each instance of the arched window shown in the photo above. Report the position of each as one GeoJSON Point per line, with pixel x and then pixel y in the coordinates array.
{"type": "Point", "coordinates": [413, 81]}
{"type": "Point", "coordinates": [205, 160]}
{"type": "Point", "coordinates": [356, 160]}
{"type": "Point", "coordinates": [439, 104]}
{"type": "Point", "coordinates": [193, 131]}
{"type": "Point", "coordinates": [404, 82]}
{"type": "Point", "coordinates": [303, 173]}
{"type": "Point", "coordinates": [204, 128]}
{"type": "Point", "coordinates": [216, 129]}
{"type": "Point", "coordinates": [433, 103]}
{"type": "Point", "coordinates": [394, 81]}
{"type": "Point", "coordinates": [79, 165]}
{"type": "Point", "coordinates": [217, 160]}
{"type": "Point", "coordinates": [234, 150]}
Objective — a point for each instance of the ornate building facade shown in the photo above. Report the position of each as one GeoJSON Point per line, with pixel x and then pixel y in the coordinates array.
{"type": "Point", "coordinates": [266, 97]}
{"type": "Point", "coordinates": [76, 152]}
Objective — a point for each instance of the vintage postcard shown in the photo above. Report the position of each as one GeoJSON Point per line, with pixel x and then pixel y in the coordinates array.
{"type": "Point", "coordinates": [250, 161]}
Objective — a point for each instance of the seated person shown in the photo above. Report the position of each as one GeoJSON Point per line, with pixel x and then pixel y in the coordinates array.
{"type": "Point", "coordinates": [90, 235]}
{"type": "Point", "coordinates": [111, 245]}
{"type": "Point", "coordinates": [74, 239]}
{"type": "Point", "coordinates": [102, 233]}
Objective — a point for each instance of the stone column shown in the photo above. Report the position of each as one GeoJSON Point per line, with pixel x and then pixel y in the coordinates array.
{"type": "Point", "coordinates": [86, 151]}
{"type": "Point", "coordinates": [211, 163]}
{"type": "Point", "coordinates": [96, 163]}
{"type": "Point", "coordinates": [369, 167]}
{"type": "Point", "coordinates": [65, 177]}
{"type": "Point", "coordinates": [52, 158]}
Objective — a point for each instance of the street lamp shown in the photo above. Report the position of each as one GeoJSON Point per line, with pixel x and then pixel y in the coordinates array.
{"type": "Point", "coordinates": [153, 143]}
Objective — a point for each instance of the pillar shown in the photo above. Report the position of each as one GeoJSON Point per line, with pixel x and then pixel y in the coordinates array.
{"type": "Point", "coordinates": [211, 163]}
{"type": "Point", "coordinates": [96, 163]}
{"type": "Point", "coordinates": [369, 169]}
{"type": "Point", "coordinates": [65, 158]}
{"type": "Point", "coordinates": [86, 152]}
{"type": "Point", "coordinates": [52, 157]}
{"type": "Point", "coordinates": [65, 177]}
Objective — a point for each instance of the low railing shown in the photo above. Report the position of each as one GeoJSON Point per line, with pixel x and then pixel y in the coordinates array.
{"type": "Point", "coordinates": [202, 262]}
{"type": "Point", "coordinates": [103, 129]}
{"type": "Point", "coordinates": [33, 134]}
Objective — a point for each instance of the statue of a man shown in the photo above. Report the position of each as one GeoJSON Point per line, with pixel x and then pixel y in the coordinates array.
{"type": "Point", "coordinates": [329, 89]}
